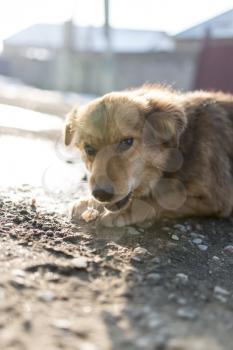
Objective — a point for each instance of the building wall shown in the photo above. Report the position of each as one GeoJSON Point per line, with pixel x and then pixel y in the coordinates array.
{"type": "Point", "coordinates": [97, 73]}
{"type": "Point", "coordinates": [169, 68]}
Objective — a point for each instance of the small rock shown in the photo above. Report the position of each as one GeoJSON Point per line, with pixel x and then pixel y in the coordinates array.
{"type": "Point", "coordinates": [196, 235]}
{"type": "Point", "coordinates": [46, 227]}
{"type": "Point", "coordinates": [140, 251]}
{"type": "Point", "coordinates": [197, 241]}
{"type": "Point", "coordinates": [180, 227]}
{"type": "Point", "coordinates": [221, 298]}
{"type": "Point", "coordinates": [203, 247]}
{"type": "Point", "coordinates": [181, 301]}
{"type": "Point", "coordinates": [229, 249]}
{"type": "Point", "coordinates": [19, 273]}
{"type": "Point", "coordinates": [19, 283]}
{"type": "Point", "coordinates": [88, 346]}
{"type": "Point", "coordinates": [181, 278]}
{"type": "Point", "coordinates": [154, 321]}
{"type": "Point", "coordinates": [8, 224]}
{"type": "Point", "coordinates": [136, 258]}
{"type": "Point", "coordinates": [132, 231]}
{"type": "Point", "coordinates": [27, 325]}
{"type": "Point", "coordinates": [33, 203]}
{"type": "Point", "coordinates": [24, 212]}
{"type": "Point", "coordinates": [49, 233]}
{"type": "Point", "coordinates": [80, 262]}
{"type": "Point", "coordinates": [220, 290]}
{"type": "Point", "coordinates": [215, 258]}
{"type": "Point", "coordinates": [175, 237]}
{"type": "Point", "coordinates": [18, 220]}
{"type": "Point", "coordinates": [187, 313]}
{"type": "Point", "coordinates": [62, 324]}
{"type": "Point", "coordinates": [154, 276]}
{"type": "Point", "coordinates": [156, 260]}
{"type": "Point", "coordinates": [46, 295]}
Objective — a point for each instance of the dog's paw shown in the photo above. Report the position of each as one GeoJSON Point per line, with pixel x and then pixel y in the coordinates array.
{"type": "Point", "coordinates": [109, 219]}
{"type": "Point", "coordinates": [86, 209]}
{"type": "Point", "coordinates": [138, 212]}
{"type": "Point", "coordinates": [76, 209]}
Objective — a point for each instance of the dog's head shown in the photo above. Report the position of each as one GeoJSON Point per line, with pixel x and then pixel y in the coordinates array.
{"type": "Point", "coordinates": [125, 141]}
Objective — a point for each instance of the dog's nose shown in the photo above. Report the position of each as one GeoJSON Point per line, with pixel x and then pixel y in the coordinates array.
{"type": "Point", "coordinates": [103, 194]}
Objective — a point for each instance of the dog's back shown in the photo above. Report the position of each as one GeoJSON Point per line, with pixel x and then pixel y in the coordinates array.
{"type": "Point", "coordinates": [207, 147]}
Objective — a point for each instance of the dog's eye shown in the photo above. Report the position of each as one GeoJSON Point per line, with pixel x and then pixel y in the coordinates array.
{"type": "Point", "coordinates": [125, 144]}
{"type": "Point", "coordinates": [90, 151]}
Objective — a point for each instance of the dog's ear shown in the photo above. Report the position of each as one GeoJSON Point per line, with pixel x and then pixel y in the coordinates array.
{"type": "Point", "coordinates": [69, 128]}
{"type": "Point", "coordinates": [164, 125]}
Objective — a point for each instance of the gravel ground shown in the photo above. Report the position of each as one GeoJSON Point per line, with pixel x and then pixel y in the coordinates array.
{"type": "Point", "coordinates": [66, 286]}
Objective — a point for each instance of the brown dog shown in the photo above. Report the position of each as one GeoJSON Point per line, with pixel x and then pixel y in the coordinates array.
{"type": "Point", "coordinates": [154, 152]}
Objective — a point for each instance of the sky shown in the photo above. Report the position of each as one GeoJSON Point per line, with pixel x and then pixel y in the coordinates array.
{"type": "Point", "coordinates": [171, 16]}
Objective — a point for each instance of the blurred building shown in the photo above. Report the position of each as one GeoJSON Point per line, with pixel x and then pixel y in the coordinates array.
{"type": "Point", "coordinates": [86, 59]}
{"type": "Point", "coordinates": [211, 42]}
{"type": "Point", "coordinates": [81, 59]}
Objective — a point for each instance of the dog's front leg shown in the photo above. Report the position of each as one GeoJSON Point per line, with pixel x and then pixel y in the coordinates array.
{"type": "Point", "coordinates": [137, 212]}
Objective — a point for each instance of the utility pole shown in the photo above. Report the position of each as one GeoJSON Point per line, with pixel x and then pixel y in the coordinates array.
{"type": "Point", "coordinates": [108, 61]}
{"type": "Point", "coordinates": [106, 24]}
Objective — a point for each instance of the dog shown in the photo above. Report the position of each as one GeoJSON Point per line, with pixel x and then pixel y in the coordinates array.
{"type": "Point", "coordinates": [155, 152]}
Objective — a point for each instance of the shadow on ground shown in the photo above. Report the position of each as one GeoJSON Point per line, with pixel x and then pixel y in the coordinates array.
{"type": "Point", "coordinates": [168, 286]}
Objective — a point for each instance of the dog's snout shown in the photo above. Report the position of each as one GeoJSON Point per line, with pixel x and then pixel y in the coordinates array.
{"type": "Point", "coordinates": [103, 194]}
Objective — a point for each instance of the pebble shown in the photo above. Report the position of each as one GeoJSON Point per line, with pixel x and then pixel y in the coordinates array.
{"type": "Point", "coordinates": [156, 260]}
{"type": "Point", "coordinates": [220, 290]}
{"type": "Point", "coordinates": [140, 251]}
{"type": "Point", "coordinates": [132, 231]}
{"type": "Point", "coordinates": [181, 301]}
{"type": "Point", "coordinates": [180, 227]}
{"type": "Point", "coordinates": [80, 262]}
{"type": "Point", "coordinates": [136, 258]}
{"type": "Point", "coordinates": [187, 313]}
{"type": "Point", "coordinates": [8, 224]}
{"type": "Point", "coordinates": [27, 325]}
{"type": "Point", "coordinates": [197, 240]}
{"type": "Point", "coordinates": [196, 235]}
{"type": "Point", "coordinates": [46, 295]}
{"type": "Point", "coordinates": [19, 283]}
{"type": "Point", "coordinates": [62, 324]}
{"type": "Point", "coordinates": [181, 278]}
{"type": "Point", "coordinates": [215, 258]}
{"type": "Point", "coordinates": [229, 248]}
{"type": "Point", "coordinates": [19, 273]}
{"type": "Point", "coordinates": [203, 247]}
{"type": "Point", "coordinates": [175, 237]}
{"type": "Point", "coordinates": [154, 276]}
{"type": "Point", "coordinates": [87, 346]}
{"type": "Point", "coordinates": [154, 321]}
{"type": "Point", "coordinates": [49, 233]}
{"type": "Point", "coordinates": [221, 298]}
{"type": "Point", "coordinates": [18, 220]}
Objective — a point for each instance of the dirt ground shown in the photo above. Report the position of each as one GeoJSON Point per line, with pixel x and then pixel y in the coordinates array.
{"type": "Point", "coordinates": [66, 286]}
{"type": "Point", "coordinates": [168, 286]}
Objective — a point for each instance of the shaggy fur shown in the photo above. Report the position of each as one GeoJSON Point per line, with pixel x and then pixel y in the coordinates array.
{"type": "Point", "coordinates": [179, 164]}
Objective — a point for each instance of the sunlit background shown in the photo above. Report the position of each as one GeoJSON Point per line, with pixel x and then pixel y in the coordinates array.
{"type": "Point", "coordinates": [93, 46]}
{"type": "Point", "coordinates": [56, 53]}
